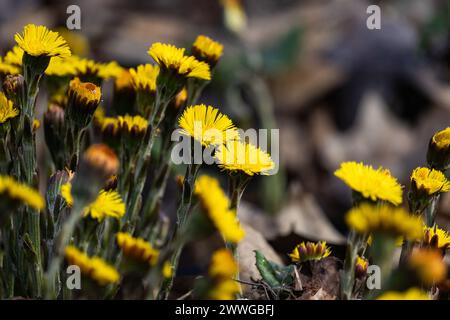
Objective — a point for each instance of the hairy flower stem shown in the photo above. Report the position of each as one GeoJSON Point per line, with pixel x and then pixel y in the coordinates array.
{"type": "Point", "coordinates": [355, 244]}
{"type": "Point", "coordinates": [431, 210]}
{"type": "Point", "coordinates": [61, 242]}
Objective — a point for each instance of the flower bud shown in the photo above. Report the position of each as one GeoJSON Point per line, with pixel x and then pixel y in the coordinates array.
{"type": "Point", "coordinates": [438, 155]}
{"type": "Point", "coordinates": [54, 132]}
{"type": "Point", "coordinates": [84, 98]}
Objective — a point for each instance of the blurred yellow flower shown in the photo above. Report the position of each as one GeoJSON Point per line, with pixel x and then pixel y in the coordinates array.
{"type": "Point", "coordinates": [7, 109]}
{"type": "Point", "coordinates": [6, 68]}
{"type": "Point", "coordinates": [244, 157]}
{"type": "Point", "coordinates": [429, 181]}
{"type": "Point", "coordinates": [217, 205]}
{"type": "Point", "coordinates": [370, 183]}
{"type": "Point", "coordinates": [60, 67]}
{"type": "Point", "coordinates": [132, 125]}
{"type": "Point", "coordinates": [223, 264]}
{"type": "Point", "coordinates": [14, 56]}
{"type": "Point", "coordinates": [207, 125]}
{"type": "Point", "coordinates": [39, 41]}
{"type": "Point", "coordinates": [144, 77]}
{"type": "Point", "coordinates": [169, 57]}
{"type": "Point", "coordinates": [167, 270]}
{"type": "Point", "coordinates": [137, 248]}
{"type": "Point", "coordinates": [384, 219]}
{"type": "Point", "coordinates": [206, 49]}
{"type": "Point", "coordinates": [310, 251]}
{"type": "Point", "coordinates": [13, 191]}
{"type": "Point", "coordinates": [92, 267]}
{"type": "Point", "coordinates": [428, 265]}
{"type": "Point", "coordinates": [442, 139]}
{"type": "Point", "coordinates": [436, 238]}
{"type": "Point", "coordinates": [361, 266]}
{"type": "Point", "coordinates": [411, 294]}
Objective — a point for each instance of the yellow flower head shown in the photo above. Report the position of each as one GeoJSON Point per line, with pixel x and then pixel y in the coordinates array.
{"type": "Point", "coordinates": [361, 266]}
{"type": "Point", "coordinates": [310, 251]}
{"type": "Point", "coordinates": [436, 238]}
{"type": "Point", "coordinates": [181, 98]}
{"type": "Point", "coordinates": [217, 205]}
{"type": "Point", "coordinates": [167, 270]}
{"type": "Point", "coordinates": [206, 49]}
{"type": "Point", "coordinates": [132, 125]}
{"type": "Point", "coordinates": [87, 93]}
{"type": "Point", "coordinates": [39, 41]}
{"type": "Point", "coordinates": [411, 294]}
{"type": "Point", "coordinates": [124, 81]}
{"type": "Point", "coordinates": [11, 190]}
{"type": "Point", "coordinates": [144, 77]}
{"type": "Point", "coordinates": [92, 267]}
{"type": "Point", "coordinates": [245, 157]}
{"type": "Point", "coordinates": [60, 67]}
{"type": "Point", "coordinates": [207, 125]}
{"type": "Point", "coordinates": [7, 109]}
{"type": "Point", "coordinates": [428, 266]}
{"type": "Point", "coordinates": [6, 68]}
{"type": "Point", "coordinates": [108, 204]}
{"type": "Point", "coordinates": [429, 181]}
{"type": "Point", "coordinates": [137, 248]}
{"type": "Point", "coordinates": [14, 56]}
{"type": "Point", "coordinates": [384, 219]}
{"type": "Point", "coordinates": [110, 70]}
{"type": "Point", "coordinates": [442, 139]}
{"type": "Point", "coordinates": [225, 289]}
{"type": "Point", "coordinates": [370, 183]}
{"type": "Point", "coordinates": [222, 264]}
{"type": "Point", "coordinates": [169, 57]}
{"type": "Point", "coordinates": [101, 158]}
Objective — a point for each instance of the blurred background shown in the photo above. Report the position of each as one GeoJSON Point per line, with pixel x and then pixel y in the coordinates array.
{"type": "Point", "coordinates": [336, 90]}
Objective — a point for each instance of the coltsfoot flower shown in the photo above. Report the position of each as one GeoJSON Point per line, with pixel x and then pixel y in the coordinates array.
{"type": "Point", "coordinates": [361, 266]}
{"type": "Point", "coordinates": [173, 59]}
{"type": "Point", "coordinates": [428, 265]}
{"type": "Point", "coordinates": [137, 248]}
{"type": "Point", "coordinates": [133, 126]}
{"type": "Point", "coordinates": [222, 268]}
{"type": "Point", "coordinates": [7, 109]}
{"type": "Point", "coordinates": [207, 125]}
{"type": "Point", "coordinates": [217, 206]}
{"type": "Point", "coordinates": [14, 56]}
{"type": "Point", "coordinates": [6, 68]}
{"type": "Point", "coordinates": [144, 77]}
{"type": "Point", "coordinates": [384, 219]}
{"type": "Point", "coordinates": [435, 237]}
{"type": "Point", "coordinates": [308, 251]}
{"type": "Point", "coordinates": [92, 267]}
{"type": "Point", "coordinates": [425, 181]}
{"type": "Point", "coordinates": [370, 183]}
{"type": "Point", "coordinates": [410, 294]}
{"type": "Point", "coordinates": [39, 41]}
{"type": "Point", "coordinates": [207, 50]}
{"type": "Point", "coordinates": [107, 204]}
{"type": "Point", "coordinates": [237, 156]}
{"type": "Point", "coordinates": [60, 67]}
{"type": "Point", "coordinates": [15, 193]}
{"type": "Point", "coordinates": [438, 155]}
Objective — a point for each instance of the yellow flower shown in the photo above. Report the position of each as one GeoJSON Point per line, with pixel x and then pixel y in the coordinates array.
{"type": "Point", "coordinates": [180, 98]}
{"type": "Point", "coordinates": [442, 139]}
{"type": "Point", "coordinates": [124, 81]}
{"type": "Point", "coordinates": [310, 251]}
{"type": "Point", "coordinates": [217, 206]}
{"type": "Point", "coordinates": [39, 41]}
{"type": "Point", "coordinates": [429, 181]}
{"type": "Point", "coordinates": [7, 109]}
{"type": "Point", "coordinates": [207, 125]}
{"type": "Point", "coordinates": [370, 183]}
{"type": "Point", "coordinates": [87, 93]}
{"type": "Point", "coordinates": [245, 157]}
{"type": "Point", "coordinates": [60, 67]}
{"type": "Point", "coordinates": [171, 58]}
{"type": "Point", "coordinates": [92, 267]}
{"type": "Point", "coordinates": [222, 269]}
{"type": "Point", "coordinates": [107, 204]}
{"type": "Point", "coordinates": [14, 56]}
{"type": "Point", "coordinates": [36, 124]}
{"type": "Point", "coordinates": [206, 49]}
{"type": "Point", "coordinates": [411, 294]}
{"type": "Point", "coordinates": [167, 270]}
{"type": "Point", "coordinates": [137, 248]}
{"type": "Point", "coordinates": [21, 193]}
{"type": "Point", "coordinates": [6, 68]}
{"type": "Point", "coordinates": [110, 70]}
{"type": "Point", "coordinates": [132, 125]}
{"type": "Point", "coordinates": [428, 265]}
{"type": "Point", "coordinates": [384, 219]}
{"type": "Point", "coordinates": [144, 77]}
{"type": "Point", "coordinates": [102, 159]}
{"type": "Point", "coordinates": [361, 266]}
{"type": "Point", "coordinates": [436, 238]}
{"type": "Point", "coordinates": [222, 264]}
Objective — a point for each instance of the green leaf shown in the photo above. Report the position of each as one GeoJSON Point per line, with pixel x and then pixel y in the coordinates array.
{"type": "Point", "coordinates": [266, 270]}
